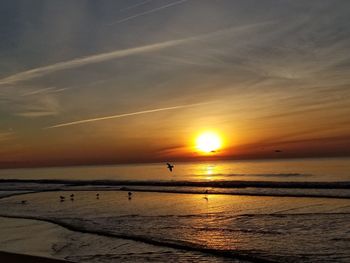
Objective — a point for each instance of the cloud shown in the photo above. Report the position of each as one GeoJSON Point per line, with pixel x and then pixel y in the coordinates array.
{"type": "Point", "coordinates": [34, 114]}
{"type": "Point", "coordinates": [125, 115]}
{"type": "Point", "coordinates": [147, 12]}
{"type": "Point", "coordinates": [5, 136]}
{"type": "Point", "coordinates": [135, 5]}
{"type": "Point", "coordinates": [44, 90]}
{"type": "Point", "coordinates": [41, 71]}
{"type": "Point", "coordinates": [93, 59]}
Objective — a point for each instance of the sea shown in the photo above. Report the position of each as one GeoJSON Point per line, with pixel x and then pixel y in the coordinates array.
{"type": "Point", "coordinates": [291, 210]}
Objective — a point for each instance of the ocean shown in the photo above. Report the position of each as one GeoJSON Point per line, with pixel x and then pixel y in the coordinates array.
{"type": "Point", "coordinates": [228, 211]}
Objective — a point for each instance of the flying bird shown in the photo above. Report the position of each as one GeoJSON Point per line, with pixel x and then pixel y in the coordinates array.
{"type": "Point", "coordinates": [170, 167]}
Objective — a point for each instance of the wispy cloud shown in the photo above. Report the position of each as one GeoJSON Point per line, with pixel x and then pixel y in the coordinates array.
{"type": "Point", "coordinates": [136, 5]}
{"type": "Point", "coordinates": [41, 71]}
{"type": "Point", "coordinates": [30, 102]}
{"type": "Point", "coordinates": [147, 12]}
{"type": "Point", "coordinates": [125, 115]}
{"type": "Point", "coordinates": [5, 136]}
{"type": "Point", "coordinates": [93, 59]}
{"type": "Point", "coordinates": [44, 91]}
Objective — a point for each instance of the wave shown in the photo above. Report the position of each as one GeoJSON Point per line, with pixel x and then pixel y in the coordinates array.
{"type": "Point", "coordinates": [244, 188]}
{"type": "Point", "coordinates": [216, 184]}
{"type": "Point", "coordinates": [181, 245]}
{"type": "Point", "coordinates": [262, 175]}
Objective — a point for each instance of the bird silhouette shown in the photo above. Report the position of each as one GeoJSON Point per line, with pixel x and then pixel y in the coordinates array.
{"type": "Point", "coordinates": [170, 167]}
{"type": "Point", "coordinates": [72, 196]}
{"type": "Point", "coordinates": [62, 198]}
{"type": "Point", "coordinates": [97, 196]}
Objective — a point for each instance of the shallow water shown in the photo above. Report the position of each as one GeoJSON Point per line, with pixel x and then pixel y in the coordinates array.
{"type": "Point", "coordinates": [317, 170]}
{"type": "Point", "coordinates": [266, 211]}
{"type": "Point", "coordinates": [252, 228]}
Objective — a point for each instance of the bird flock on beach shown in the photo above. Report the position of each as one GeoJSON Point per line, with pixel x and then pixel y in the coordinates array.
{"type": "Point", "coordinates": [130, 194]}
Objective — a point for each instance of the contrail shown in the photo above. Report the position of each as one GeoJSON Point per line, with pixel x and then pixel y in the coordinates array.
{"type": "Point", "coordinates": [41, 71]}
{"type": "Point", "coordinates": [135, 5]}
{"type": "Point", "coordinates": [77, 62]}
{"type": "Point", "coordinates": [147, 12]}
{"type": "Point", "coordinates": [125, 115]}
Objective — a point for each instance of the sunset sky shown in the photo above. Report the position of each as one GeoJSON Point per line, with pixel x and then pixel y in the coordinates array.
{"type": "Point", "coordinates": [94, 82]}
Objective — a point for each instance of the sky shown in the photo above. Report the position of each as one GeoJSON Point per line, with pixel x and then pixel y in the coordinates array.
{"type": "Point", "coordinates": [99, 82]}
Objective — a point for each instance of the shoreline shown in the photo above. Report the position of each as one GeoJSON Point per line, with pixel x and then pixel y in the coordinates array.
{"type": "Point", "coordinates": [16, 257]}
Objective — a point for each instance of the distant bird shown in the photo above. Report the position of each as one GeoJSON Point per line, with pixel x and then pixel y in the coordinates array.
{"type": "Point", "coordinates": [97, 196]}
{"type": "Point", "coordinates": [72, 196]}
{"type": "Point", "coordinates": [24, 202]}
{"type": "Point", "coordinates": [206, 197]}
{"type": "Point", "coordinates": [170, 167]}
{"type": "Point", "coordinates": [278, 151]}
{"type": "Point", "coordinates": [62, 198]}
{"type": "Point", "coordinates": [129, 195]}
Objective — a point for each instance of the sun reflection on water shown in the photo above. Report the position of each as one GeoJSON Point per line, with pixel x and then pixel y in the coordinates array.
{"type": "Point", "coordinates": [208, 171]}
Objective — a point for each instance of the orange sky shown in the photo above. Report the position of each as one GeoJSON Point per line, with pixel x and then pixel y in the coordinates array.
{"type": "Point", "coordinates": [87, 85]}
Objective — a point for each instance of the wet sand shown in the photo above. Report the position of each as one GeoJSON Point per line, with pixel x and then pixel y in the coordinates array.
{"type": "Point", "coordinates": [14, 258]}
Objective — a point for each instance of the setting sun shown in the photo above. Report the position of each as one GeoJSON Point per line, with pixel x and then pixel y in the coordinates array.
{"type": "Point", "coordinates": [208, 142]}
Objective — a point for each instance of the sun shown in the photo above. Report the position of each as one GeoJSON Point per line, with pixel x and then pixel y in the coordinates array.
{"type": "Point", "coordinates": [208, 142]}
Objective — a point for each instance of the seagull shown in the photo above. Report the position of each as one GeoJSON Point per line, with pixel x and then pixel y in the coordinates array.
{"type": "Point", "coordinates": [206, 193]}
{"type": "Point", "coordinates": [170, 167]}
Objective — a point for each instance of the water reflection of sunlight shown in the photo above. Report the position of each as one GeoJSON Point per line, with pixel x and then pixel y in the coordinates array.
{"type": "Point", "coordinates": [208, 171]}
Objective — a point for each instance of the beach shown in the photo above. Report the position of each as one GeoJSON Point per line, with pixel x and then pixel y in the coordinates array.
{"type": "Point", "coordinates": [12, 257]}
{"type": "Point", "coordinates": [291, 215]}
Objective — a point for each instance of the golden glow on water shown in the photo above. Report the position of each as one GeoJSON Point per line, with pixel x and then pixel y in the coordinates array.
{"type": "Point", "coordinates": [208, 171]}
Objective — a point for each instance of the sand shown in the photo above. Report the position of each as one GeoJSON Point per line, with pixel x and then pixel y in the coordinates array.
{"type": "Point", "coordinates": [14, 258]}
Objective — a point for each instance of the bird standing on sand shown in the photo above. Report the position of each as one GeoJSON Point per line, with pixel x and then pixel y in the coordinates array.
{"type": "Point", "coordinates": [62, 198]}
{"type": "Point", "coordinates": [170, 167]}
{"type": "Point", "coordinates": [72, 196]}
{"type": "Point", "coordinates": [97, 196]}
{"type": "Point", "coordinates": [129, 195]}
{"type": "Point", "coordinates": [206, 195]}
